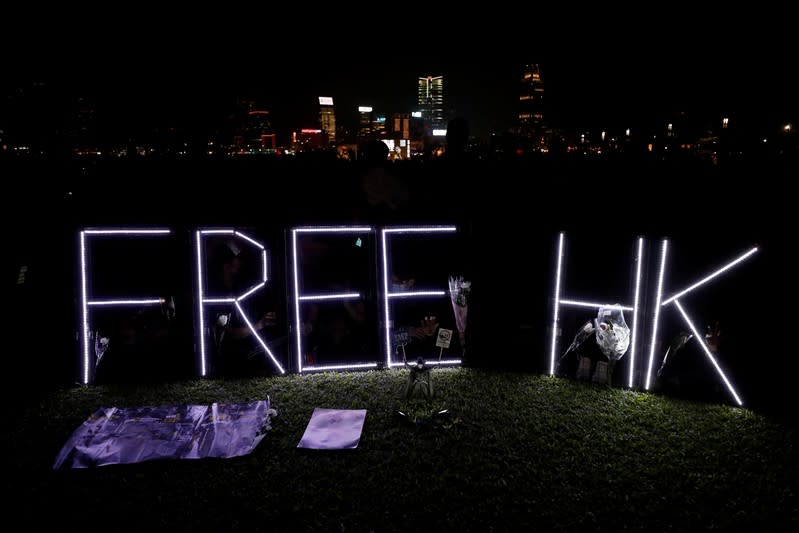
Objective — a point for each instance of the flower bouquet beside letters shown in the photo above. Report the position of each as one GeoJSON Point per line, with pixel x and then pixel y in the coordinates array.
{"type": "Point", "coordinates": [459, 294]}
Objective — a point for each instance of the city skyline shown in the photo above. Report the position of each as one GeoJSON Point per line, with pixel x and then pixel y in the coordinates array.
{"type": "Point", "coordinates": [579, 94]}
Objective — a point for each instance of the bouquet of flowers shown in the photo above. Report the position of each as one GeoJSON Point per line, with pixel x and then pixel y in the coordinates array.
{"type": "Point", "coordinates": [459, 294]}
{"type": "Point", "coordinates": [612, 333]}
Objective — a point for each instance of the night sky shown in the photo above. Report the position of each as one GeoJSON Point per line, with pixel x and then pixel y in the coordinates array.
{"type": "Point", "coordinates": [142, 66]}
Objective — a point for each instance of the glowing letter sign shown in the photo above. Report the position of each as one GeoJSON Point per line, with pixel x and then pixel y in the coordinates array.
{"type": "Point", "coordinates": [299, 297]}
{"type": "Point", "coordinates": [559, 301]}
{"type": "Point", "coordinates": [204, 299]}
{"type": "Point", "coordinates": [88, 299]}
{"type": "Point", "coordinates": [388, 295]}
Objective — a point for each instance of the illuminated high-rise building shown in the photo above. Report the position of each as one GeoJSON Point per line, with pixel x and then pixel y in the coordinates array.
{"type": "Point", "coordinates": [379, 126]}
{"type": "Point", "coordinates": [401, 126]}
{"type": "Point", "coordinates": [82, 132]}
{"type": "Point", "coordinates": [258, 134]}
{"type": "Point", "coordinates": [531, 102]}
{"type": "Point", "coordinates": [431, 101]}
{"type": "Point", "coordinates": [365, 121]}
{"type": "Point", "coordinates": [327, 115]}
{"type": "Point", "coordinates": [252, 130]}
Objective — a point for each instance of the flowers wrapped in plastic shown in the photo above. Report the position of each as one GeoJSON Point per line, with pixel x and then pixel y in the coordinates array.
{"type": "Point", "coordinates": [459, 294]}
{"type": "Point", "coordinates": [612, 333]}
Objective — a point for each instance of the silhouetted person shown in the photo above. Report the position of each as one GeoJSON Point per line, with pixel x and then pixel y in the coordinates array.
{"type": "Point", "coordinates": [457, 138]}
{"type": "Point", "coordinates": [373, 152]}
{"type": "Point", "coordinates": [383, 191]}
{"type": "Point", "coordinates": [713, 338]}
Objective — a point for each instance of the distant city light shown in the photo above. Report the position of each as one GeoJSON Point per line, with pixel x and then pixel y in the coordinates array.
{"type": "Point", "coordinates": [310, 130]}
{"type": "Point", "coordinates": [603, 135]}
{"type": "Point", "coordinates": [787, 128]}
{"type": "Point", "coordinates": [670, 127]}
{"type": "Point", "coordinates": [725, 122]}
{"type": "Point", "coordinates": [325, 100]}
{"type": "Point", "coordinates": [416, 114]}
{"type": "Point", "coordinates": [627, 133]}
{"type": "Point", "coordinates": [364, 109]}
{"type": "Point", "coordinates": [439, 133]}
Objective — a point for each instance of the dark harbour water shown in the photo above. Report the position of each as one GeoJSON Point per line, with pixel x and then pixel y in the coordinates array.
{"type": "Point", "coordinates": [509, 214]}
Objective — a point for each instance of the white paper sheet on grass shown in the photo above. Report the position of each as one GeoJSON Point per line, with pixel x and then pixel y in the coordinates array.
{"type": "Point", "coordinates": [333, 429]}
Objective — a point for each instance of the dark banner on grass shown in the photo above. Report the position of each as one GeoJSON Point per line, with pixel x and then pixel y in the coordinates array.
{"type": "Point", "coordinates": [116, 436]}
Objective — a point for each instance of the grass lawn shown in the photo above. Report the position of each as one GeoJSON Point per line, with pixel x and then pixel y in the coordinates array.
{"type": "Point", "coordinates": [532, 452]}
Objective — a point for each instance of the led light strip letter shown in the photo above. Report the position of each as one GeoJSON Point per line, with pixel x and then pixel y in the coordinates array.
{"type": "Point", "coordinates": [86, 299]}
{"type": "Point", "coordinates": [203, 299]}
{"type": "Point", "coordinates": [388, 295]}
{"type": "Point", "coordinates": [299, 298]}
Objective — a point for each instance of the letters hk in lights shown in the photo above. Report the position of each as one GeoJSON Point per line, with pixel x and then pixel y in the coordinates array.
{"type": "Point", "coordinates": [660, 304]}
{"type": "Point", "coordinates": [205, 299]}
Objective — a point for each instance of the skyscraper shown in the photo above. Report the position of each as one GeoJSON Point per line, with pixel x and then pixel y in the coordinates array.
{"type": "Point", "coordinates": [379, 126]}
{"type": "Point", "coordinates": [531, 102]}
{"type": "Point", "coordinates": [431, 101]}
{"type": "Point", "coordinates": [365, 121]}
{"type": "Point", "coordinates": [254, 134]}
{"type": "Point", "coordinates": [327, 115]}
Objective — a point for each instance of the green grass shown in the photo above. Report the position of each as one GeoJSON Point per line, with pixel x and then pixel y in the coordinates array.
{"type": "Point", "coordinates": [532, 452]}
